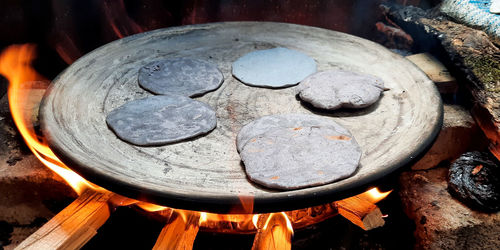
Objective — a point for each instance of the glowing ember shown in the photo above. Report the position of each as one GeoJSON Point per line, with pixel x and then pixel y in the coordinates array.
{"type": "Point", "coordinates": [15, 65]}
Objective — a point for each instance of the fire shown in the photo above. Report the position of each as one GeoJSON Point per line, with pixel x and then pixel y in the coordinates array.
{"type": "Point", "coordinates": [276, 233]}
{"type": "Point", "coordinates": [244, 223]}
{"type": "Point", "coordinates": [150, 207]}
{"type": "Point", "coordinates": [285, 217]}
{"type": "Point", "coordinates": [255, 219]}
{"type": "Point", "coordinates": [15, 65]}
{"type": "Point", "coordinates": [203, 217]}
{"type": "Point", "coordinates": [374, 195]}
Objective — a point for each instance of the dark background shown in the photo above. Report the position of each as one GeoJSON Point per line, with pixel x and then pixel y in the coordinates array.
{"type": "Point", "coordinates": [64, 30]}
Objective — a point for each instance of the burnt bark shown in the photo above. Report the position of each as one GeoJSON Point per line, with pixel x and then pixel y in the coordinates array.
{"type": "Point", "coordinates": [468, 53]}
{"type": "Point", "coordinates": [474, 179]}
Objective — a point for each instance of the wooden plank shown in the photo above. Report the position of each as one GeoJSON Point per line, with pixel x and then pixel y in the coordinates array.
{"type": "Point", "coordinates": [436, 71]}
{"type": "Point", "coordinates": [361, 212]}
{"type": "Point", "coordinates": [273, 233]}
{"type": "Point", "coordinates": [180, 232]}
{"type": "Point", "coordinates": [73, 226]}
{"type": "Point", "coordinates": [432, 67]}
{"type": "Point", "coordinates": [307, 216]}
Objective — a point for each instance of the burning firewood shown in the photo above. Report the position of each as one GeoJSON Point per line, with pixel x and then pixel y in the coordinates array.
{"type": "Point", "coordinates": [180, 231]}
{"type": "Point", "coordinates": [75, 225]}
{"type": "Point", "coordinates": [361, 212]}
{"type": "Point", "coordinates": [274, 232]}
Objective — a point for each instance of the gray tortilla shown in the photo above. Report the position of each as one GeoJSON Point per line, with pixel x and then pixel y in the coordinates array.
{"type": "Point", "coordinates": [159, 120]}
{"type": "Point", "coordinates": [273, 68]}
{"type": "Point", "coordinates": [291, 158]}
{"type": "Point", "coordinates": [182, 76]}
{"type": "Point", "coordinates": [335, 89]}
{"type": "Point", "coordinates": [270, 122]}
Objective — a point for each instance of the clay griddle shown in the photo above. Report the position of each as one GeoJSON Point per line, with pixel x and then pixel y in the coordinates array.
{"type": "Point", "coordinates": [205, 173]}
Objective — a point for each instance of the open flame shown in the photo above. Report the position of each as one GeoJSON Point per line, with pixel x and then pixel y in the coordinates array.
{"type": "Point", "coordinates": [15, 65]}
{"type": "Point", "coordinates": [374, 195]}
{"type": "Point", "coordinates": [150, 207]}
{"type": "Point", "coordinates": [285, 217]}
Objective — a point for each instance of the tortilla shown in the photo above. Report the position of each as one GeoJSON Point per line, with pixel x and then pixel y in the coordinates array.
{"type": "Point", "coordinates": [292, 158]}
{"type": "Point", "coordinates": [270, 122]}
{"type": "Point", "coordinates": [336, 89]}
{"type": "Point", "coordinates": [181, 76]}
{"type": "Point", "coordinates": [273, 68]}
{"type": "Point", "coordinates": [160, 120]}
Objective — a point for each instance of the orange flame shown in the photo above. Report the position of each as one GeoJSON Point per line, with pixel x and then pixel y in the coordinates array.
{"type": "Point", "coordinates": [203, 217]}
{"type": "Point", "coordinates": [150, 207]}
{"type": "Point", "coordinates": [287, 220]}
{"type": "Point", "coordinates": [247, 223]}
{"type": "Point", "coordinates": [255, 219]}
{"type": "Point", "coordinates": [15, 65]}
{"type": "Point", "coordinates": [374, 195]}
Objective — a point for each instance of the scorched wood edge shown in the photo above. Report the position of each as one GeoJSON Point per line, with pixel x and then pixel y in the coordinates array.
{"type": "Point", "coordinates": [205, 173]}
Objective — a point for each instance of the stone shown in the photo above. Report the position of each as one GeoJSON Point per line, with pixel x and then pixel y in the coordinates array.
{"type": "Point", "coordinates": [271, 122]}
{"type": "Point", "coordinates": [334, 89]}
{"type": "Point", "coordinates": [474, 179]}
{"type": "Point", "coordinates": [458, 134]}
{"type": "Point", "coordinates": [29, 190]}
{"type": "Point", "coordinates": [182, 76]}
{"type": "Point", "coordinates": [160, 120]}
{"type": "Point", "coordinates": [292, 158]}
{"type": "Point", "coordinates": [441, 221]}
{"type": "Point", "coordinates": [3, 85]}
{"type": "Point", "coordinates": [273, 68]}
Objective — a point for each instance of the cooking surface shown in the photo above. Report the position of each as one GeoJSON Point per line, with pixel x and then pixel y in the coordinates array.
{"type": "Point", "coordinates": [206, 173]}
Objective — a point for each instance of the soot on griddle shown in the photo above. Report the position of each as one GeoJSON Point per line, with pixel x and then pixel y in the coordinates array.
{"type": "Point", "coordinates": [474, 179]}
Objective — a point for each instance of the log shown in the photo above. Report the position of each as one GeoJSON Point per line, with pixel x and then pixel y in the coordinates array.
{"type": "Point", "coordinates": [469, 53]}
{"type": "Point", "coordinates": [361, 212]}
{"type": "Point", "coordinates": [243, 224]}
{"type": "Point", "coordinates": [307, 216]}
{"type": "Point", "coordinates": [436, 71]}
{"type": "Point", "coordinates": [180, 232]}
{"type": "Point", "coordinates": [273, 232]}
{"type": "Point", "coordinates": [73, 226]}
